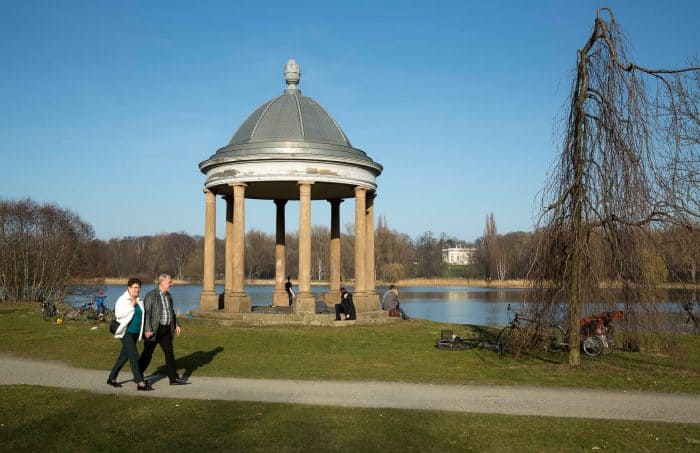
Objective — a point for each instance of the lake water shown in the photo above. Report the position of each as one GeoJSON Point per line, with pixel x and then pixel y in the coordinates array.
{"type": "Point", "coordinates": [453, 304]}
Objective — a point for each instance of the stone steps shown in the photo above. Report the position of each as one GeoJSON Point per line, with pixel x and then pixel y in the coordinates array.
{"type": "Point", "coordinates": [285, 316]}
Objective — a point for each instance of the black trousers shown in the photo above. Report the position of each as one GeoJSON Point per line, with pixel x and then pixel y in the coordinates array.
{"type": "Point", "coordinates": [164, 338]}
{"type": "Point", "coordinates": [346, 309]}
{"type": "Point", "coordinates": [131, 353]}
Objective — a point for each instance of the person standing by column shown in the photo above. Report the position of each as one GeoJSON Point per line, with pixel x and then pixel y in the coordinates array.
{"type": "Point", "coordinates": [288, 288]}
{"type": "Point", "coordinates": [160, 326]}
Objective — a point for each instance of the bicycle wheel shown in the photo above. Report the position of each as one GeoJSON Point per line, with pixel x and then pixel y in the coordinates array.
{"type": "Point", "coordinates": [504, 340]}
{"type": "Point", "coordinates": [593, 346]}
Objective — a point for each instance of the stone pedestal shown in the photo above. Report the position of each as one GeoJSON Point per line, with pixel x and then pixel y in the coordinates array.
{"type": "Point", "coordinates": [209, 300]}
{"type": "Point", "coordinates": [304, 303]}
{"type": "Point", "coordinates": [280, 298]}
{"type": "Point", "coordinates": [372, 301]}
{"type": "Point", "coordinates": [331, 298]}
{"type": "Point", "coordinates": [237, 303]}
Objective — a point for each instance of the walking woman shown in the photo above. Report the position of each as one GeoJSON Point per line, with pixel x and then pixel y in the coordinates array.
{"type": "Point", "coordinates": [129, 313]}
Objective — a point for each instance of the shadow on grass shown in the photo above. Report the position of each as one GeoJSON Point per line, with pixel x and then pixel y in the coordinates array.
{"type": "Point", "coordinates": [191, 362]}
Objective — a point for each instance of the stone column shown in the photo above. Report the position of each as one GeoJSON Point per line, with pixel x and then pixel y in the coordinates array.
{"type": "Point", "coordinates": [280, 297]}
{"type": "Point", "coordinates": [238, 301]}
{"type": "Point", "coordinates": [332, 297]}
{"type": "Point", "coordinates": [305, 302]}
{"type": "Point", "coordinates": [372, 296]}
{"type": "Point", "coordinates": [360, 295]}
{"type": "Point", "coordinates": [228, 264]}
{"type": "Point", "coordinates": [208, 299]}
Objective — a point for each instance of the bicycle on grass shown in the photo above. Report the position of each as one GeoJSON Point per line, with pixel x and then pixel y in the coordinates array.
{"type": "Point", "coordinates": [49, 310]}
{"type": "Point", "coordinates": [448, 340]}
{"type": "Point", "coordinates": [525, 333]}
{"type": "Point", "coordinates": [691, 321]}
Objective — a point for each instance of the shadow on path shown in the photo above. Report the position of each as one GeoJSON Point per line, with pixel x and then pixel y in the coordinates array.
{"type": "Point", "coordinates": [189, 362]}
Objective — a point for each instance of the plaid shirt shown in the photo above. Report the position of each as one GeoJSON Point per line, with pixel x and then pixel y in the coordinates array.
{"type": "Point", "coordinates": [165, 316]}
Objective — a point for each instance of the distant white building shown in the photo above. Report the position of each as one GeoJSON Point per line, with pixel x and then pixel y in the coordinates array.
{"type": "Point", "coordinates": [458, 255]}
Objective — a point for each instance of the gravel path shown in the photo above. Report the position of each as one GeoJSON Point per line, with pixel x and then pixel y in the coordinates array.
{"type": "Point", "coordinates": [555, 402]}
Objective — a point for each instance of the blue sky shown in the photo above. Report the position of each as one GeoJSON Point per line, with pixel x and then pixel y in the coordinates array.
{"type": "Point", "coordinates": [107, 108]}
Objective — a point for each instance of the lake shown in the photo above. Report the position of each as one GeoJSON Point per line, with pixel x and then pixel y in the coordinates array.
{"type": "Point", "coordinates": [452, 304]}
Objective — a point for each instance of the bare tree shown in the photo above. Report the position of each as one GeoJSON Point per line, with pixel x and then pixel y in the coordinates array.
{"type": "Point", "coordinates": [491, 251]}
{"type": "Point", "coordinates": [429, 255]}
{"type": "Point", "coordinates": [320, 250]}
{"type": "Point", "coordinates": [259, 254]}
{"type": "Point", "coordinates": [629, 164]}
{"type": "Point", "coordinates": [394, 252]}
{"type": "Point", "coordinates": [42, 250]}
{"type": "Point", "coordinates": [168, 252]}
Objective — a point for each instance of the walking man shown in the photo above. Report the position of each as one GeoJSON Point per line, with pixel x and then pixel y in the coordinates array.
{"type": "Point", "coordinates": [159, 328]}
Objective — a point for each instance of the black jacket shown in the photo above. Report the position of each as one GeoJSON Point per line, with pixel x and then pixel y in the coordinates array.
{"type": "Point", "coordinates": [154, 310]}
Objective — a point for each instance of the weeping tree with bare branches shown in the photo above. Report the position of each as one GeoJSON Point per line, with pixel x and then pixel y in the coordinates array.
{"type": "Point", "coordinates": [629, 166]}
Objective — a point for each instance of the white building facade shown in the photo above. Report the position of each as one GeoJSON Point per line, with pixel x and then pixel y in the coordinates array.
{"type": "Point", "coordinates": [458, 255]}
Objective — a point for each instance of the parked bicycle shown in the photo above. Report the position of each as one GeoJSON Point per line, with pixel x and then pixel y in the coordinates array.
{"type": "Point", "coordinates": [691, 321]}
{"type": "Point", "coordinates": [525, 333]}
{"type": "Point", "coordinates": [448, 340]}
{"type": "Point", "coordinates": [49, 310]}
{"type": "Point", "coordinates": [87, 312]}
{"type": "Point", "coordinates": [597, 332]}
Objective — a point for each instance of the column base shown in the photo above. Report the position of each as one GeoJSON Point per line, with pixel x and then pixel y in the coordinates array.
{"type": "Point", "coordinates": [280, 298]}
{"type": "Point", "coordinates": [331, 298]}
{"type": "Point", "coordinates": [305, 303]}
{"type": "Point", "coordinates": [237, 303]}
{"type": "Point", "coordinates": [209, 300]}
{"type": "Point", "coordinates": [373, 301]}
{"type": "Point", "coordinates": [366, 301]}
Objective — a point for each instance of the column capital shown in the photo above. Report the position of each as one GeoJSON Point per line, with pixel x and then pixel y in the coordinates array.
{"type": "Point", "coordinates": [335, 200]}
{"type": "Point", "coordinates": [302, 183]}
{"type": "Point", "coordinates": [280, 202]}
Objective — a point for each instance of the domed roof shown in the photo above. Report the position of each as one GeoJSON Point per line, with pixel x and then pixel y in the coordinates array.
{"type": "Point", "coordinates": [290, 117]}
{"type": "Point", "coordinates": [288, 139]}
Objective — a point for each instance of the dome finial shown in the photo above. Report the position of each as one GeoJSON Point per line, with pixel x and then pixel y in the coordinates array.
{"type": "Point", "coordinates": [292, 74]}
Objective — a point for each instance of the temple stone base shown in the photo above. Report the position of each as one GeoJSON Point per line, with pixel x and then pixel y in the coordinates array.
{"type": "Point", "coordinates": [331, 298]}
{"type": "Point", "coordinates": [304, 303]}
{"type": "Point", "coordinates": [209, 300]}
{"type": "Point", "coordinates": [280, 298]}
{"type": "Point", "coordinates": [222, 318]}
{"type": "Point", "coordinates": [366, 301]}
{"type": "Point", "coordinates": [237, 303]}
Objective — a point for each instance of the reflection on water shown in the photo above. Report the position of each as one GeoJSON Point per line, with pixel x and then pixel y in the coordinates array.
{"type": "Point", "coordinates": [453, 304]}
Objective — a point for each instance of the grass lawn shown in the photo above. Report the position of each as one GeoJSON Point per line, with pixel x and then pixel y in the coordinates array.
{"type": "Point", "coordinates": [72, 421]}
{"type": "Point", "coordinates": [80, 421]}
{"type": "Point", "coordinates": [397, 352]}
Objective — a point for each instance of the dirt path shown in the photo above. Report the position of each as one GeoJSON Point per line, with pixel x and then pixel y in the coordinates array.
{"type": "Point", "coordinates": [555, 402]}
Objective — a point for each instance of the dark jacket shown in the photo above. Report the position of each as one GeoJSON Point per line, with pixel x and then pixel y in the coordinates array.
{"type": "Point", "coordinates": [347, 306]}
{"type": "Point", "coordinates": [154, 310]}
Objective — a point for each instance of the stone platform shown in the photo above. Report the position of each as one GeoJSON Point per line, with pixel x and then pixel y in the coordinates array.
{"type": "Point", "coordinates": [274, 316]}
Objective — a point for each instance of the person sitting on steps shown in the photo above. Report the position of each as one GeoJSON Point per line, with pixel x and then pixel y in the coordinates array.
{"type": "Point", "coordinates": [390, 301]}
{"type": "Point", "coordinates": [345, 307]}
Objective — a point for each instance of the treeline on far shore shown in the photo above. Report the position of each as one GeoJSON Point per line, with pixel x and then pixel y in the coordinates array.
{"type": "Point", "coordinates": [45, 248]}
